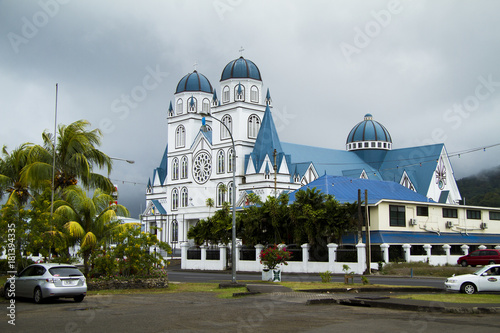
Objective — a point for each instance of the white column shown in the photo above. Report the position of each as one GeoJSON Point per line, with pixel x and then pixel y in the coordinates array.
{"type": "Point", "coordinates": [482, 247]}
{"type": "Point", "coordinates": [332, 252]}
{"type": "Point", "coordinates": [361, 249]}
{"type": "Point", "coordinates": [258, 250]}
{"type": "Point", "coordinates": [222, 256]}
{"type": "Point", "coordinates": [184, 255]}
{"type": "Point", "coordinates": [406, 248]}
{"type": "Point", "coordinates": [427, 248]}
{"type": "Point", "coordinates": [203, 253]}
{"type": "Point", "coordinates": [446, 248]}
{"type": "Point", "coordinates": [237, 256]}
{"type": "Point", "coordinates": [305, 255]}
{"type": "Point", "coordinates": [465, 249]}
{"type": "Point", "coordinates": [385, 252]}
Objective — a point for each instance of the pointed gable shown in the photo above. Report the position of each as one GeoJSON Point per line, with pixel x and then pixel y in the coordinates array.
{"type": "Point", "coordinates": [160, 173]}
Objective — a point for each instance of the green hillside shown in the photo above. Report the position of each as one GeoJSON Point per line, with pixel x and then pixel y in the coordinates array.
{"type": "Point", "coordinates": [482, 189]}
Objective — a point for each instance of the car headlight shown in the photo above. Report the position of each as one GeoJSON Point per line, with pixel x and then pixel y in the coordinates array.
{"type": "Point", "coordinates": [451, 280]}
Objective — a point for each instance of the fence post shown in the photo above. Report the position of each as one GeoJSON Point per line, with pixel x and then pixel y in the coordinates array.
{"type": "Point", "coordinates": [361, 249]}
{"type": "Point", "coordinates": [446, 248]}
{"type": "Point", "coordinates": [332, 256]}
{"type": "Point", "coordinates": [465, 249]}
{"type": "Point", "coordinates": [237, 255]}
{"type": "Point", "coordinates": [428, 252]}
{"type": "Point", "coordinates": [305, 255]}
{"type": "Point", "coordinates": [385, 252]}
{"type": "Point", "coordinates": [258, 250]}
{"type": "Point", "coordinates": [223, 256]}
{"type": "Point", "coordinates": [482, 247]}
{"type": "Point", "coordinates": [184, 255]}
{"type": "Point", "coordinates": [406, 248]}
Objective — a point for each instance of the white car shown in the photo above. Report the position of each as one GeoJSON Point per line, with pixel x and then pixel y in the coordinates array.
{"type": "Point", "coordinates": [486, 278]}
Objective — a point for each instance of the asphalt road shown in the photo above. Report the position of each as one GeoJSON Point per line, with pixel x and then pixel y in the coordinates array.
{"type": "Point", "coordinates": [200, 276]}
{"type": "Point", "coordinates": [203, 312]}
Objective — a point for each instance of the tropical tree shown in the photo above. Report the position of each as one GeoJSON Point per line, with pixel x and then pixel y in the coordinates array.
{"type": "Point", "coordinates": [210, 204]}
{"type": "Point", "coordinates": [76, 157]}
{"type": "Point", "coordinates": [89, 221]}
{"type": "Point", "coordinates": [11, 166]}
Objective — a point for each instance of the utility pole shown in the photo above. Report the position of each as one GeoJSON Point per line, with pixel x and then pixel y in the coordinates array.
{"type": "Point", "coordinates": [275, 167]}
{"type": "Point", "coordinates": [368, 242]}
{"type": "Point", "coordinates": [360, 219]}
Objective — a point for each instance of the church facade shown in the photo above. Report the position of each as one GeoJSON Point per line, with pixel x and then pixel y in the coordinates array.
{"type": "Point", "coordinates": [195, 175]}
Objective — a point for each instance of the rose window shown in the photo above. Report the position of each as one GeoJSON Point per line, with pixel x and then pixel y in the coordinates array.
{"type": "Point", "coordinates": [202, 167]}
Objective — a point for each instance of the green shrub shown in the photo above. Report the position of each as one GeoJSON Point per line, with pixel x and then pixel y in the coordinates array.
{"type": "Point", "coordinates": [326, 276]}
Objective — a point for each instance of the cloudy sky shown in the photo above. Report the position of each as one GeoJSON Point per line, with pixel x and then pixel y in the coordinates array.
{"type": "Point", "coordinates": [427, 70]}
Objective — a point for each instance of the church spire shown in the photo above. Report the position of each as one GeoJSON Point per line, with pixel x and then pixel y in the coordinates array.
{"type": "Point", "coordinates": [268, 98]}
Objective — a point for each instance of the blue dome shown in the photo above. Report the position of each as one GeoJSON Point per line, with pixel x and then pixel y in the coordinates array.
{"type": "Point", "coordinates": [241, 68]}
{"type": "Point", "coordinates": [194, 82]}
{"type": "Point", "coordinates": [369, 130]}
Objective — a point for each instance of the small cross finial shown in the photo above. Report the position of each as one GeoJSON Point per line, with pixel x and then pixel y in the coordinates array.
{"type": "Point", "coordinates": [241, 51]}
{"type": "Point", "coordinates": [195, 64]}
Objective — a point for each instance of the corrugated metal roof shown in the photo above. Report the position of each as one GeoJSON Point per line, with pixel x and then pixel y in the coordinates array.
{"type": "Point", "coordinates": [409, 237]}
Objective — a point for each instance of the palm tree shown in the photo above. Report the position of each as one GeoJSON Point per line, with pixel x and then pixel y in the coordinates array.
{"type": "Point", "coordinates": [210, 204]}
{"type": "Point", "coordinates": [11, 165]}
{"type": "Point", "coordinates": [76, 157]}
{"type": "Point", "coordinates": [90, 221]}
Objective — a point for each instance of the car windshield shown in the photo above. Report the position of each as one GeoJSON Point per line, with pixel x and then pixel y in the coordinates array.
{"type": "Point", "coordinates": [479, 271]}
{"type": "Point", "coordinates": [65, 271]}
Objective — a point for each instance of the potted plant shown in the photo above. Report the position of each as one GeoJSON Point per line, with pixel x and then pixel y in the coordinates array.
{"type": "Point", "coordinates": [271, 258]}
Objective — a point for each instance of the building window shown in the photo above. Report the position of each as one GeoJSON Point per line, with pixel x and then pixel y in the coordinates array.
{"type": "Point", "coordinates": [221, 194]}
{"type": "Point", "coordinates": [253, 126]}
{"type": "Point", "coordinates": [397, 216]}
{"type": "Point", "coordinates": [366, 144]}
{"type": "Point", "coordinates": [373, 144]}
{"type": "Point", "coordinates": [230, 160]}
{"type": "Point", "coordinates": [184, 167]}
{"type": "Point", "coordinates": [422, 211]}
{"type": "Point", "coordinates": [180, 137]}
{"type": "Point", "coordinates": [225, 94]}
{"type": "Point", "coordinates": [175, 231]}
{"type": "Point", "coordinates": [473, 214]}
{"type": "Point", "coordinates": [192, 104]}
{"type": "Point", "coordinates": [175, 169]}
{"type": "Point", "coordinates": [230, 192]}
{"type": "Point", "coordinates": [224, 133]}
{"type": "Point", "coordinates": [379, 144]}
{"type": "Point", "coordinates": [202, 167]}
{"type": "Point", "coordinates": [450, 212]}
{"type": "Point", "coordinates": [175, 199]}
{"type": "Point", "coordinates": [220, 161]}
{"type": "Point", "coordinates": [178, 107]}
{"type": "Point", "coordinates": [254, 94]}
{"type": "Point", "coordinates": [184, 197]}
{"type": "Point", "coordinates": [494, 215]}
{"type": "Point", "coordinates": [239, 92]}
{"type": "Point", "coordinates": [206, 105]}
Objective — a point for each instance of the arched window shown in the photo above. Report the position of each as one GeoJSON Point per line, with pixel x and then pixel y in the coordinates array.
{"type": "Point", "coordinates": [220, 161]}
{"type": "Point", "coordinates": [221, 194]}
{"type": "Point", "coordinates": [178, 107]}
{"type": "Point", "coordinates": [180, 137]}
{"type": "Point", "coordinates": [254, 94]}
{"type": "Point", "coordinates": [230, 161]}
{"type": "Point", "coordinates": [175, 231]}
{"type": "Point", "coordinates": [206, 105]}
{"type": "Point", "coordinates": [184, 197]}
{"type": "Point", "coordinates": [175, 169]}
{"type": "Point", "coordinates": [192, 104]}
{"type": "Point", "coordinates": [224, 133]}
{"type": "Point", "coordinates": [175, 199]}
{"type": "Point", "coordinates": [239, 92]}
{"type": "Point", "coordinates": [253, 126]}
{"type": "Point", "coordinates": [184, 167]}
{"type": "Point", "coordinates": [230, 192]}
{"type": "Point", "coordinates": [225, 94]}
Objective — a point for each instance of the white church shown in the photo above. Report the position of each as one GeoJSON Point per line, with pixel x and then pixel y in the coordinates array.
{"type": "Point", "coordinates": [197, 164]}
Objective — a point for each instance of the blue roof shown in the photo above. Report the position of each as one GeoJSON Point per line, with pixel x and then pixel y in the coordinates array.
{"type": "Point", "coordinates": [369, 130]}
{"type": "Point", "coordinates": [267, 141]}
{"type": "Point", "coordinates": [194, 82]}
{"type": "Point", "coordinates": [241, 68]}
{"type": "Point", "coordinates": [408, 237]}
{"type": "Point", "coordinates": [162, 169]}
{"type": "Point", "coordinates": [345, 189]}
{"type": "Point", "coordinates": [159, 207]}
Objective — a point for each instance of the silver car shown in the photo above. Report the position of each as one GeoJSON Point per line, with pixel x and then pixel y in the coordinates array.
{"type": "Point", "coordinates": [42, 281]}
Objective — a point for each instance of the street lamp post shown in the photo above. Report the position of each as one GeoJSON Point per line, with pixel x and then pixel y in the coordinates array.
{"type": "Point", "coordinates": [233, 240]}
{"type": "Point", "coordinates": [122, 159]}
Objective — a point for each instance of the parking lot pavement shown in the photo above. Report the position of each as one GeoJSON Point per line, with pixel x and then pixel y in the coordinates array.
{"type": "Point", "coordinates": [278, 311]}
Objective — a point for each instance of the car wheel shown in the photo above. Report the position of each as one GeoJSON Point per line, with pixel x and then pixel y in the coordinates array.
{"type": "Point", "coordinates": [6, 291]}
{"type": "Point", "coordinates": [468, 288]}
{"type": "Point", "coordinates": [37, 295]}
{"type": "Point", "coordinates": [464, 263]}
{"type": "Point", "coordinates": [79, 298]}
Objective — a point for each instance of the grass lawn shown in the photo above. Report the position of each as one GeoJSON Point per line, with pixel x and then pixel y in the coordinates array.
{"type": "Point", "coordinates": [454, 298]}
{"type": "Point", "coordinates": [333, 285]}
